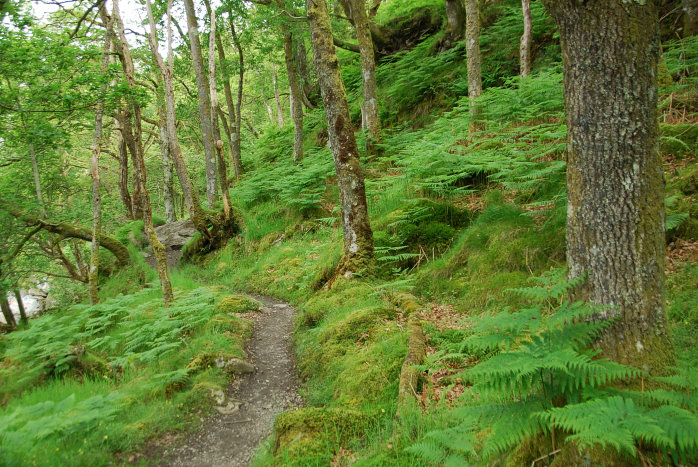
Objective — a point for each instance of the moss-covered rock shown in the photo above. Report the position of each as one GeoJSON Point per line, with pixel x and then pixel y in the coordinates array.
{"type": "Point", "coordinates": [236, 304]}
{"type": "Point", "coordinates": [299, 431]}
{"type": "Point", "coordinates": [229, 363]}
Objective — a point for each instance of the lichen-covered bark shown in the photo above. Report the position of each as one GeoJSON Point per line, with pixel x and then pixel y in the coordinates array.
{"type": "Point", "coordinates": [472, 44]}
{"type": "Point", "coordinates": [526, 37]}
{"type": "Point", "coordinates": [296, 99]}
{"type": "Point", "coordinates": [615, 185]}
{"type": "Point", "coordinates": [204, 104]}
{"type": "Point", "coordinates": [358, 237]}
{"type": "Point", "coordinates": [368, 71]}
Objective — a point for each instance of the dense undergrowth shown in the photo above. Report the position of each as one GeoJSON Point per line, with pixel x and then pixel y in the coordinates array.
{"type": "Point", "coordinates": [90, 385]}
{"type": "Point", "coordinates": [460, 218]}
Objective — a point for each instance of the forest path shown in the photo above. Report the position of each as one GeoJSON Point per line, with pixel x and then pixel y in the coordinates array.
{"type": "Point", "coordinates": [231, 439]}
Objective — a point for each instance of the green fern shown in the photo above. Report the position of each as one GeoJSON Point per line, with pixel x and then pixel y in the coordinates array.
{"type": "Point", "coordinates": [533, 360]}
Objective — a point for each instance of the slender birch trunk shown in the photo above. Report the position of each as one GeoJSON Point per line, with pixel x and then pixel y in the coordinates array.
{"type": "Point", "coordinates": [295, 93]}
{"type": "Point", "coordinates": [20, 306]}
{"type": "Point", "coordinates": [93, 272]}
{"type": "Point", "coordinates": [222, 169]}
{"type": "Point", "coordinates": [368, 72]}
{"type": "Point", "coordinates": [231, 127]}
{"type": "Point", "coordinates": [279, 108]}
{"type": "Point", "coordinates": [525, 45]}
{"type": "Point", "coordinates": [139, 169]}
{"type": "Point", "coordinates": [204, 104]}
{"type": "Point", "coordinates": [472, 40]}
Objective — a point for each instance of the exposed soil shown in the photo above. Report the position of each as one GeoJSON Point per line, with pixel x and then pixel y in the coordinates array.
{"type": "Point", "coordinates": [231, 439]}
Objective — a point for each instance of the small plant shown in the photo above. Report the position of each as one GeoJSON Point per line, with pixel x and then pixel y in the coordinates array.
{"type": "Point", "coordinates": [545, 384]}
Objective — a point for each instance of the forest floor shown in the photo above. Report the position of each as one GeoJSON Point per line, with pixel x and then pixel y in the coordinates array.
{"type": "Point", "coordinates": [231, 438]}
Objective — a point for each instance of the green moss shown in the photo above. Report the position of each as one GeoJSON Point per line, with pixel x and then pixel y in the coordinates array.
{"type": "Point", "coordinates": [236, 304]}
{"type": "Point", "coordinates": [303, 433]}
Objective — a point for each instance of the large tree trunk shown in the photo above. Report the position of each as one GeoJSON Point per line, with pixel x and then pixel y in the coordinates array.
{"type": "Point", "coordinates": [368, 71]}
{"type": "Point", "coordinates": [525, 44]}
{"type": "Point", "coordinates": [358, 237]}
{"type": "Point", "coordinates": [204, 104]}
{"type": "Point", "coordinates": [472, 44]}
{"type": "Point", "coordinates": [296, 99]}
{"type": "Point", "coordinates": [690, 17]}
{"type": "Point", "coordinates": [455, 19]}
{"type": "Point", "coordinates": [93, 273]}
{"type": "Point", "coordinates": [222, 169]}
{"type": "Point", "coordinates": [139, 169]}
{"type": "Point", "coordinates": [615, 185]}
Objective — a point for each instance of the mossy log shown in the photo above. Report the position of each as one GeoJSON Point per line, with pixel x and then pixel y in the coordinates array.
{"type": "Point", "coordinates": [409, 376]}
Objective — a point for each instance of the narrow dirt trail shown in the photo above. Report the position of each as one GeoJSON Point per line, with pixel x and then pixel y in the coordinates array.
{"type": "Point", "coordinates": [231, 440]}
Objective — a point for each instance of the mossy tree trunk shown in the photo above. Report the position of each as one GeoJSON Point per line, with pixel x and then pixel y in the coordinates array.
{"type": "Point", "coordinates": [526, 38]}
{"type": "Point", "coordinates": [615, 185]}
{"type": "Point", "coordinates": [277, 96]}
{"type": "Point", "coordinates": [455, 19]}
{"type": "Point", "coordinates": [93, 273]}
{"type": "Point", "coordinates": [358, 237]}
{"type": "Point", "coordinates": [368, 71]}
{"type": "Point", "coordinates": [139, 169]}
{"type": "Point", "coordinates": [222, 168]}
{"type": "Point", "coordinates": [6, 311]}
{"type": "Point", "coordinates": [204, 104]}
{"type": "Point", "coordinates": [123, 169]}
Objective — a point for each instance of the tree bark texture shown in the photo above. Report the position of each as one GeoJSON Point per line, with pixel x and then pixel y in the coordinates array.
{"type": "Point", "coordinates": [20, 306]}
{"type": "Point", "coordinates": [525, 44]}
{"type": "Point", "coordinates": [304, 79]}
{"type": "Point", "coordinates": [615, 185]}
{"type": "Point", "coordinates": [123, 169]}
{"type": "Point", "coordinates": [358, 237]}
{"type": "Point", "coordinates": [222, 169]}
{"type": "Point", "coordinates": [204, 104]}
{"type": "Point", "coordinates": [168, 193]}
{"type": "Point", "coordinates": [295, 91]}
{"type": "Point", "coordinates": [37, 180]}
{"type": "Point", "coordinates": [189, 195]}
{"type": "Point", "coordinates": [231, 128]}
{"type": "Point", "coordinates": [93, 272]}
{"type": "Point", "coordinates": [472, 43]}
{"type": "Point", "coordinates": [6, 311]}
{"type": "Point", "coordinates": [368, 71]}
{"type": "Point", "coordinates": [139, 169]}
{"type": "Point", "coordinates": [277, 97]}
{"type": "Point", "coordinates": [690, 17]}
{"type": "Point", "coordinates": [455, 19]}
